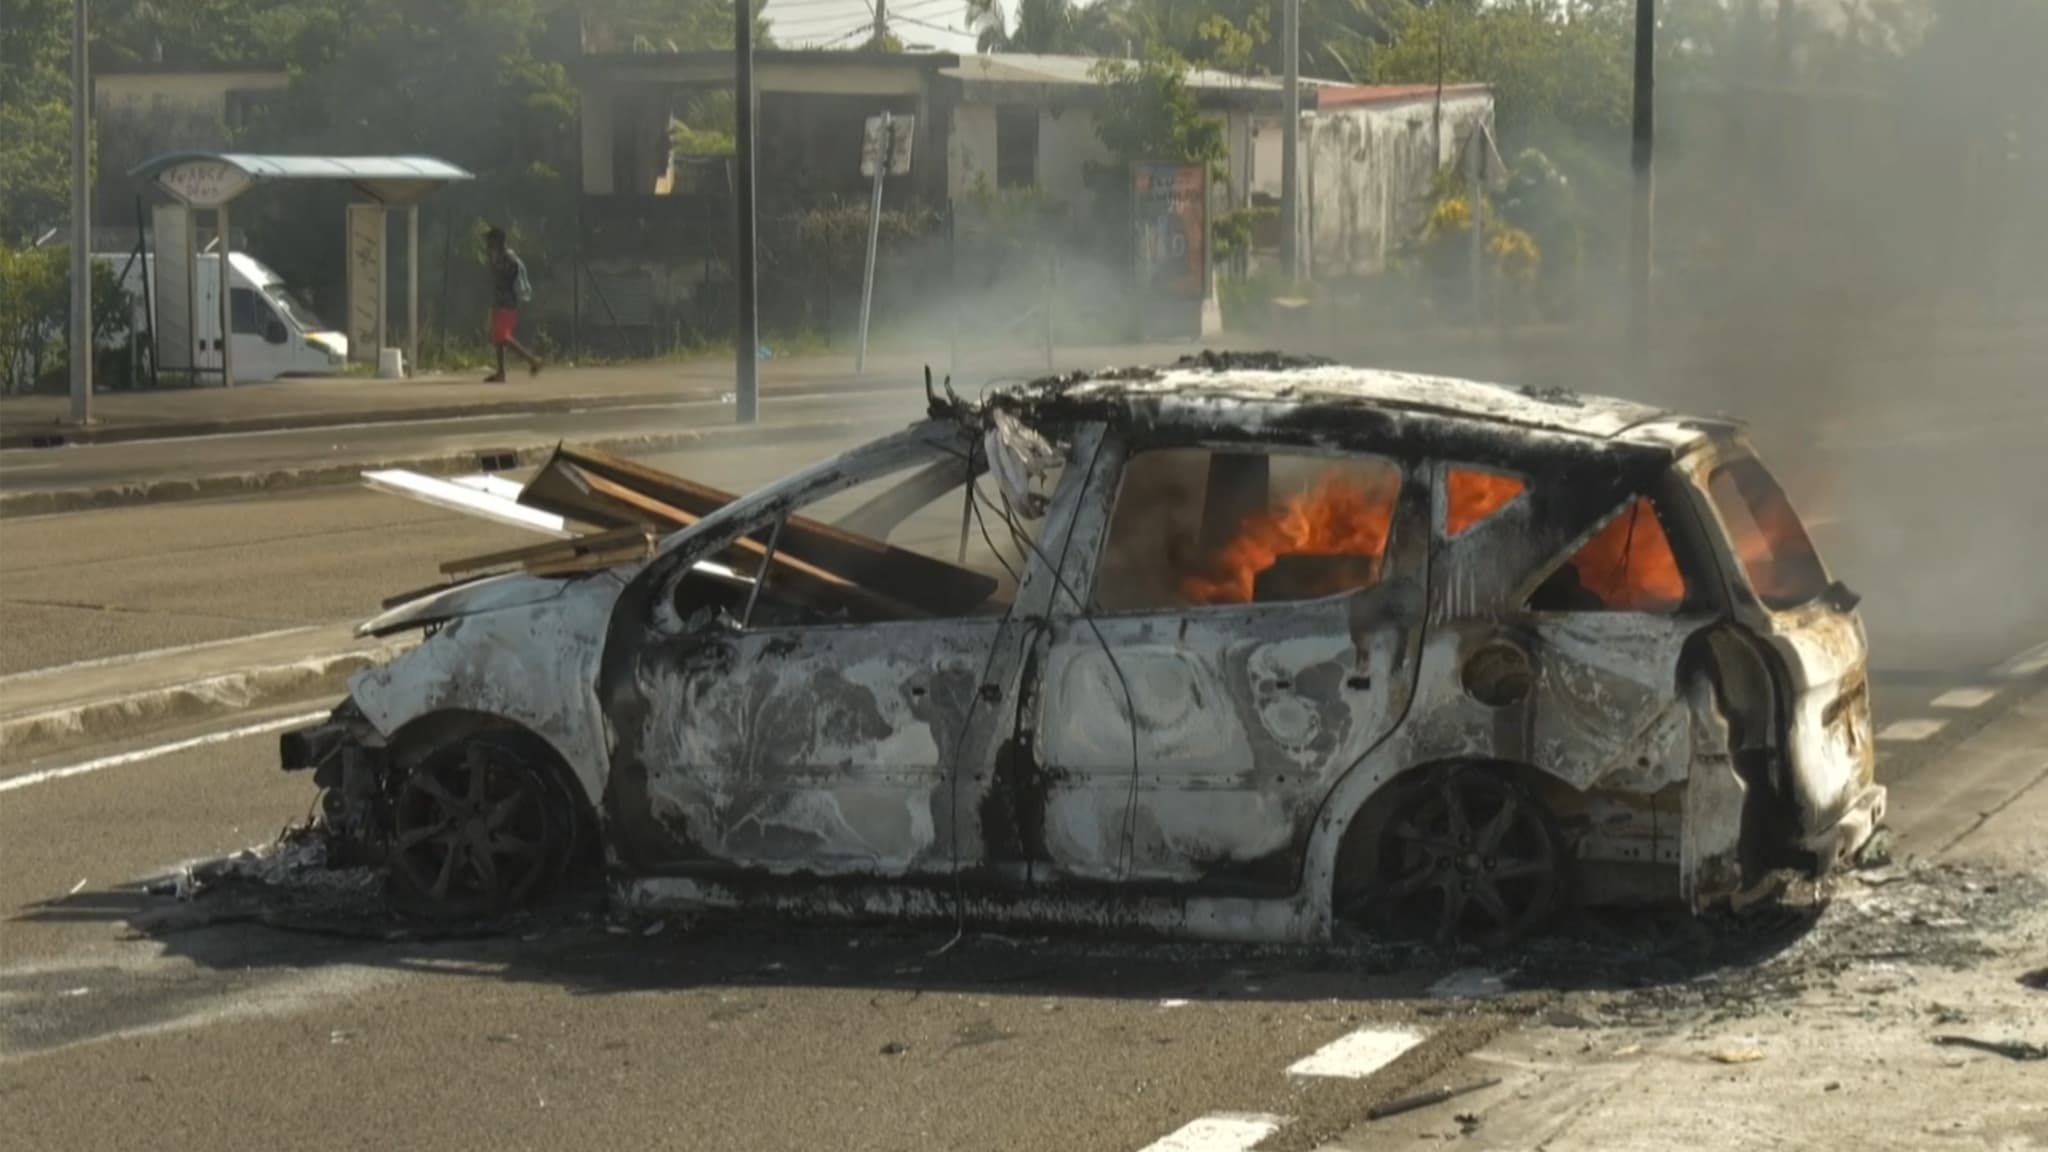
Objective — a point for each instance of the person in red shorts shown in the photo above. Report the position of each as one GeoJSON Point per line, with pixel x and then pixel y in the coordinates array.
{"type": "Point", "coordinates": [509, 288]}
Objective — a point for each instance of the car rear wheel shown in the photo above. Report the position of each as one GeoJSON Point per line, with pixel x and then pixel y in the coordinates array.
{"type": "Point", "coordinates": [477, 828]}
{"type": "Point", "coordinates": [1467, 854]}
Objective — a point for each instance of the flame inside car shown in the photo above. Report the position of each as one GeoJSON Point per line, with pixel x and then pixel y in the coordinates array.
{"type": "Point", "coordinates": [1343, 517]}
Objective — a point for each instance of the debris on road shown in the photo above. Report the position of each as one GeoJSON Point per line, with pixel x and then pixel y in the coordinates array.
{"type": "Point", "coordinates": [1469, 984]}
{"type": "Point", "coordinates": [2037, 980]}
{"type": "Point", "coordinates": [1736, 1056]}
{"type": "Point", "coordinates": [2010, 1049]}
{"type": "Point", "coordinates": [1432, 1097]}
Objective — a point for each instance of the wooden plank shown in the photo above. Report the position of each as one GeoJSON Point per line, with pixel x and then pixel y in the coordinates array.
{"type": "Point", "coordinates": [934, 586]}
{"type": "Point", "coordinates": [786, 565]}
{"type": "Point", "coordinates": [561, 489]}
{"type": "Point", "coordinates": [591, 561]}
{"type": "Point", "coordinates": [551, 550]}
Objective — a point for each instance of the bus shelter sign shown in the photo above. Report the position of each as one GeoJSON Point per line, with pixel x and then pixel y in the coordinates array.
{"type": "Point", "coordinates": [1170, 209]}
{"type": "Point", "coordinates": [204, 183]}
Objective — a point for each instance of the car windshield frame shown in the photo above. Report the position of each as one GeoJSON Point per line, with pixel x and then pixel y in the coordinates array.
{"type": "Point", "coordinates": [1745, 496]}
{"type": "Point", "coordinates": [293, 308]}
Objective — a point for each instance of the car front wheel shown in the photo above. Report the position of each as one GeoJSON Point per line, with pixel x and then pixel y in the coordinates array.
{"type": "Point", "coordinates": [477, 828]}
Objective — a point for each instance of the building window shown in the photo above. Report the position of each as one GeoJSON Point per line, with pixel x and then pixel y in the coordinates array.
{"type": "Point", "coordinates": [1016, 147]}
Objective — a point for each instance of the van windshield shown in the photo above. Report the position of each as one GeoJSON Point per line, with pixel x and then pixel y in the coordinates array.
{"type": "Point", "coordinates": [1776, 553]}
{"type": "Point", "coordinates": [297, 312]}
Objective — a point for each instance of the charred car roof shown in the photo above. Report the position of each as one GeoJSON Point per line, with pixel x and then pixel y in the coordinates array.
{"type": "Point", "coordinates": [1239, 396]}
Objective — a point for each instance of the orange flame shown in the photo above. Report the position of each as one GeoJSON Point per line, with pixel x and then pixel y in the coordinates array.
{"type": "Point", "coordinates": [1630, 565]}
{"type": "Point", "coordinates": [1341, 515]}
{"type": "Point", "coordinates": [1473, 496]}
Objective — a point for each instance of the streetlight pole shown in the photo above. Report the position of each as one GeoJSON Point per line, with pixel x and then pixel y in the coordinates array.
{"type": "Point", "coordinates": [1643, 161]}
{"type": "Point", "coordinates": [746, 388]}
{"type": "Point", "coordinates": [1290, 142]}
{"type": "Point", "coordinates": [81, 220]}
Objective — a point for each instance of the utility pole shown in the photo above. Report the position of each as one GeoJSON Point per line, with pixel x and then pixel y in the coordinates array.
{"type": "Point", "coordinates": [881, 24]}
{"type": "Point", "coordinates": [747, 340]}
{"type": "Point", "coordinates": [1643, 161]}
{"type": "Point", "coordinates": [1290, 142]}
{"type": "Point", "coordinates": [81, 219]}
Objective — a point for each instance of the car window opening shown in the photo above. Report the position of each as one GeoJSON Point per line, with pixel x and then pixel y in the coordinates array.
{"type": "Point", "coordinates": [1769, 539]}
{"type": "Point", "coordinates": [1471, 495]}
{"type": "Point", "coordinates": [1627, 566]}
{"type": "Point", "coordinates": [1199, 528]}
{"type": "Point", "coordinates": [923, 542]}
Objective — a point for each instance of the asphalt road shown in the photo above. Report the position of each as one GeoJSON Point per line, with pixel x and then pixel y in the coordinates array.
{"type": "Point", "coordinates": [137, 1021]}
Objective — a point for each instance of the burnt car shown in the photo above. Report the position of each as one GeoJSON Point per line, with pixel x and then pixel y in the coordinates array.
{"type": "Point", "coordinates": [1241, 648]}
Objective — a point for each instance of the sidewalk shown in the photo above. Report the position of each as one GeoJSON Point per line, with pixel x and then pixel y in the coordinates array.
{"type": "Point", "coordinates": [54, 709]}
{"type": "Point", "coordinates": [39, 421]}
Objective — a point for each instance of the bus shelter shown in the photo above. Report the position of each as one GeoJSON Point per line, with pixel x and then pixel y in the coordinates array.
{"type": "Point", "coordinates": [211, 182]}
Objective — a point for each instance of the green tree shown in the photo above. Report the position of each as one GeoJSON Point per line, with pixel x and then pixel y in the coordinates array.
{"type": "Point", "coordinates": [1052, 27]}
{"type": "Point", "coordinates": [35, 119]}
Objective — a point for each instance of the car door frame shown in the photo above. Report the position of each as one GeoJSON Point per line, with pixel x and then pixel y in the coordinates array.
{"type": "Point", "coordinates": [649, 647]}
{"type": "Point", "coordinates": [1395, 600]}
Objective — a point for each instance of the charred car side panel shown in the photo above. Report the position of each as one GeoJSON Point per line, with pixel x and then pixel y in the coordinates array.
{"type": "Point", "coordinates": [1597, 644]}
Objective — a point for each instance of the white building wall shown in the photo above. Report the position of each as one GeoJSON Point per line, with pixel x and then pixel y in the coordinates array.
{"type": "Point", "coordinates": [1366, 177]}
{"type": "Point", "coordinates": [970, 149]}
{"type": "Point", "coordinates": [1066, 145]}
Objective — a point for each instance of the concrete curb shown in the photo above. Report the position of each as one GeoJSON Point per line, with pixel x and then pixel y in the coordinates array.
{"type": "Point", "coordinates": [48, 502]}
{"type": "Point", "coordinates": [61, 436]}
{"type": "Point", "coordinates": [142, 713]}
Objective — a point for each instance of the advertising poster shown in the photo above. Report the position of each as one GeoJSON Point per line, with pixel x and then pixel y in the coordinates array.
{"type": "Point", "coordinates": [1170, 210]}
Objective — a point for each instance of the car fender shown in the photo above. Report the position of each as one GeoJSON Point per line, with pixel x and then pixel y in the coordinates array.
{"type": "Point", "coordinates": [533, 663]}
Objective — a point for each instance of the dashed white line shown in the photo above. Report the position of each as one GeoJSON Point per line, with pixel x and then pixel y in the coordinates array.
{"type": "Point", "coordinates": [1909, 731]}
{"type": "Point", "coordinates": [1357, 1055]}
{"type": "Point", "coordinates": [142, 754]}
{"type": "Point", "coordinates": [1223, 1132]}
{"type": "Point", "coordinates": [1965, 698]}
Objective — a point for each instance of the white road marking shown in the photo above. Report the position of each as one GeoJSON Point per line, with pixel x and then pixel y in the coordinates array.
{"type": "Point", "coordinates": [2026, 663]}
{"type": "Point", "coordinates": [107, 661]}
{"type": "Point", "coordinates": [1358, 1054]}
{"type": "Point", "coordinates": [173, 748]}
{"type": "Point", "coordinates": [1223, 1132]}
{"type": "Point", "coordinates": [1965, 698]}
{"type": "Point", "coordinates": [1907, 731]}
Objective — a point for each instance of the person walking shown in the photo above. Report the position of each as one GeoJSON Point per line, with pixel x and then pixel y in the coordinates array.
{"type": "Point", "coordinates": [509, 289]}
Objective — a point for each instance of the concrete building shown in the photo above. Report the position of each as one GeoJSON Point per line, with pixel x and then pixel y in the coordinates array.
{"type": "Point", "coordinates": [150, 110]}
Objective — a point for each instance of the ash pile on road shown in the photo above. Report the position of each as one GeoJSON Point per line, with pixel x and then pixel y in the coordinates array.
{"type": "Point", "coordinates": [1928, 915]}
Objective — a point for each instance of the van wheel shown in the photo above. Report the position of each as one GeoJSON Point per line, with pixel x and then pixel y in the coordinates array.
{"type": "Point", "coordinates": [1467, 855]}
{"type": "Point", "coordinates": [476, 829]}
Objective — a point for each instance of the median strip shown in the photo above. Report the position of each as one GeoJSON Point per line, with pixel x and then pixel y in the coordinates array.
{"type": "Point", "coordinates": [332, 473]}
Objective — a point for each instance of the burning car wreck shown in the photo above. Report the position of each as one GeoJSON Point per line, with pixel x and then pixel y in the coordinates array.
{"type": "Point", "coordinates": [1244, 648]}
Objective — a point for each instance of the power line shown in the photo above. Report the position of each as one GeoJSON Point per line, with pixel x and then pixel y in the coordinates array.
{"type": "Point", "coordinates": [934, 27]}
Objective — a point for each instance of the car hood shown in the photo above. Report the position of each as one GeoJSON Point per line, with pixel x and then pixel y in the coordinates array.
{"type": "Point", "coordinates": [491, 594]}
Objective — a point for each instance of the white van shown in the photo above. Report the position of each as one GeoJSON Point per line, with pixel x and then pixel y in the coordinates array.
{"type": "Point", "coordinates": [275, 335]}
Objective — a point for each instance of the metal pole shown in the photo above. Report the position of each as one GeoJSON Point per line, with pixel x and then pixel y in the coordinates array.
{"type": "Point", "coordinates": [867, 287]}
{"type": "Point", "coordinates": [746, 388]}
{"type": "Point", "coordinates": [227, 292]}
{"type": "Point", "coordinates": [1290, 144]}
{"type": "Point", "coordinates": [1475, 199]}
{"type": "Point", "coordinates": [881, 24]}
{"type": "Point", "coordinates": [81, 220]}
{"type": "Point", "coordinates": [412, 289]}
{"type": "Point", "coordinates": [1643, 161]}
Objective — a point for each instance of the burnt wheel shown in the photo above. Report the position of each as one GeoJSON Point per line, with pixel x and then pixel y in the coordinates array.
{"type": "Point", "coordinates": [476, 829]}
{"type": "Point", "coordinates": [1467, 855]}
